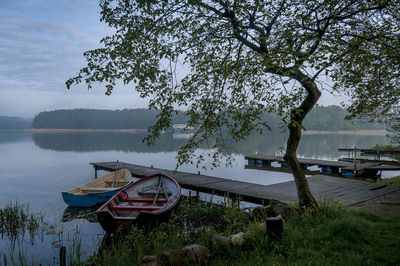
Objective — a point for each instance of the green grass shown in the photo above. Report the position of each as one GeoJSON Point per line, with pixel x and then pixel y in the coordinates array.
{"type": "Point", "coordinates": [337, 236]}
{"type": "Point", "coordinates": [395, 181]}
{"type": "Point", "coordinates": [192, 222]}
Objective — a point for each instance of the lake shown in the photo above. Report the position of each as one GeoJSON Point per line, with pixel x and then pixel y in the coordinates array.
{"type": "Point", "coordinates": [36, 167]}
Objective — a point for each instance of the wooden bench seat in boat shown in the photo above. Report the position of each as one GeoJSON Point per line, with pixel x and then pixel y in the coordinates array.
{"type": "Point", "coordinates": [117, 184]}
{"type": "Point", "coordinates": [97, 189]}
{"type": "Point", "coordinates": [124, 197]}
{"type": "Point", "coordinates": [115, 207]}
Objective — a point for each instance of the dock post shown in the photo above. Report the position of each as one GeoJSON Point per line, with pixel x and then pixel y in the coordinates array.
{"type": "Point", "coordinates": [378, 156]}
{"type": "Point", "coordinates": [355, 160]}
{"type": "Point", "coordinates": [95, 171]}
{"type": "Point", "coordinates": [63, 261]}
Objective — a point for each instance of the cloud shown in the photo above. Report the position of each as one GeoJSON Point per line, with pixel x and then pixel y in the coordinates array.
{"type": "Point", "coordinates": [41, 46]}
{"type": "Point", "coordinates": [43, 43]}
{"type": "Point", "coordinates": [28, 103]}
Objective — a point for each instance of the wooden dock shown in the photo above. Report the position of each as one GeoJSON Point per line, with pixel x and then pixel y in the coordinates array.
{"type": "Point", "coordinates": [348, 191]}
{"type": "Point", "coordinates": [367, 169]}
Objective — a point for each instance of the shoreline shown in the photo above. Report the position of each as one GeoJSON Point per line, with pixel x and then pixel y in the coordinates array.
{"type": "Point", "coordinates": [373, 132]}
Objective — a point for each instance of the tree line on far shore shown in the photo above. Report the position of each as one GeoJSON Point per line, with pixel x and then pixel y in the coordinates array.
{"type": "Point", "coordinates": [100, 119]}
{"type": "Point", "coordinates": [10, 122]}
{"type": "Point", "coordinates": [320, 118]}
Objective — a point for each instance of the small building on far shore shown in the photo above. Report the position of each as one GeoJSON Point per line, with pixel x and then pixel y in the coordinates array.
{"type": "Point", "coordinates": [182, 127]}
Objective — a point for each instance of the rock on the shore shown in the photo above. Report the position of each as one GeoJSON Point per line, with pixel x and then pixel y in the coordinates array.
{"type": "Point", "coordinates": [218, 242]}
{"type": "Point", "coordinates": [150, 261]}
{"type": "Point", "coordinates": [274, 208]}
{"type": "Point", "coordinates": [173, 257]}
{"type": "Point", "coordinates": [196, 253]}
{"type": "Point", "coordinates": [284, 209]}
{"type": "Point", "coordinates": [238, 239]}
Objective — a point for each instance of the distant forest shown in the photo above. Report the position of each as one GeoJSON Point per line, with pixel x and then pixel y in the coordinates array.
{"type": "Point", "coordinates": [333, 118]}
{"type": "Point", "coordinates": [9, 122]}
{"type": "Point", "coordinates": [100, 119]}
{"type": "Point", "coordinates": [320, 118]}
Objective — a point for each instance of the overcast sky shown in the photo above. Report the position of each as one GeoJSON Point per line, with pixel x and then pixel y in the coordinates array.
{"type": "Point", "coordinates": [42, 44]}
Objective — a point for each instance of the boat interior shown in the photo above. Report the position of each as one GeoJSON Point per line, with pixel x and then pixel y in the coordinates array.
{"type": "Point", "coordinates": [109, 182]}
{"type": "Point", "coordinates": [150, 195]}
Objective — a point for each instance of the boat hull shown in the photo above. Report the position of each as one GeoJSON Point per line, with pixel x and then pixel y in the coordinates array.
{"type": "Point", "coordinates": [145, 203]}
{"type": "Point", "coordinates": [143, 220]}
{"type": "Point", "coordinates": [88, 200]}
{"type": "Point", "coordinates": [97, 191]}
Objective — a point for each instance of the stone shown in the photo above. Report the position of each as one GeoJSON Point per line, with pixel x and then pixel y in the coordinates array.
{"type": "Point", "coordinates": [150, 261]}
{"type": "Point", "coordinates": [218, 242]}
{"type": "Point", "coordinates": [238, 239]}
{"type": "Point", "coordinates": [283, 209]}
{"type": "Point", "coordinates": [262, 212]}
{"type": "Point", "coordinates": [172, 258]}
{"type": "Point", "coordinates": [196, 253]}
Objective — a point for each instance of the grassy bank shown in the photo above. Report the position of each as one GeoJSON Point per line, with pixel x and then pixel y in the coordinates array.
{"type": "Point", "coordinates": [337, 236]}
{"type": "Point", "coordinates": [395, 181]}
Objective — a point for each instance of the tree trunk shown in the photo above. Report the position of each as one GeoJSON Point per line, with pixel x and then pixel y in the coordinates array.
{"type": "Point", "coordinates": [306, 199]}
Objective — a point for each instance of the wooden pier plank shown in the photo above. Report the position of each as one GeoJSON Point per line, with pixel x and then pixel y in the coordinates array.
{"type": "Point", "coordinates": [362, 166]}
{"type": "Point", "coordinates": [386, 167]}
{"type": "Point", "coordinates": [348, 191]}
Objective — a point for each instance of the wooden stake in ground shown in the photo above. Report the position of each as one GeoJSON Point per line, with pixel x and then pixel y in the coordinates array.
{"type": "Point", "coordinates": [63, 256]}
{"type": "Point", "coordinates": [274, 228]}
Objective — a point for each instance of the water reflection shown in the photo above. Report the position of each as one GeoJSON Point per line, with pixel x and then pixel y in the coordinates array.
{"type": "Point", "coordinates": [269, 143]}
{"type": "Point", "coordinates": [104, 141]}
{"type": "Point", "coordinates": [72, 213]}
{"type": "Point", "coordinates": [317, 146]}
{"type": "Point", "coordinates": [10, 136]}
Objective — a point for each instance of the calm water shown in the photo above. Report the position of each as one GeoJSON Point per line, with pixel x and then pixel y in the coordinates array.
{"type": "Point", "coordinates": [35, 168]}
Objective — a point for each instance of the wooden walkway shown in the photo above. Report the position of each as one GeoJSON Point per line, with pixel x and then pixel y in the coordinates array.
{"type": "Point", "coordinates": [368, 169]}
{"type": "Point", "coordinates": [347, 191]}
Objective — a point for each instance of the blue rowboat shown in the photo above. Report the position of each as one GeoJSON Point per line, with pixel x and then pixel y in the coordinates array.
{"type": "Point", "coordinates": [98, 190]}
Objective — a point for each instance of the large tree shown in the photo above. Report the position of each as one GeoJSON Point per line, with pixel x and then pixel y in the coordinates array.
{"type": "Point", "coordinates": [226, 62]}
